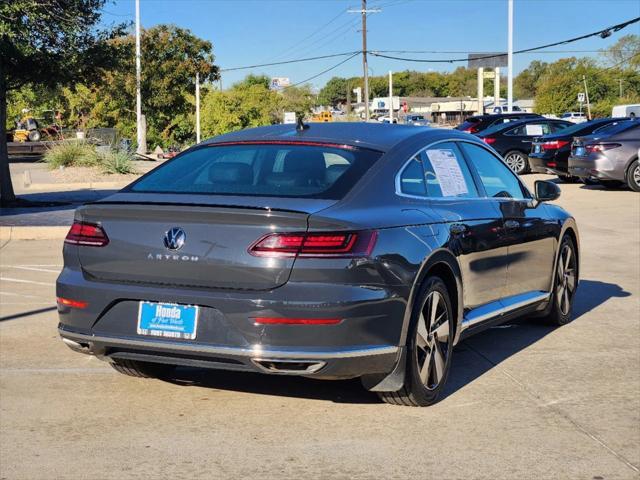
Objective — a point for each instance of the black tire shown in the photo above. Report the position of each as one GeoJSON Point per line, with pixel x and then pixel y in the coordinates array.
{"type": "Point", "coordinates": [517, 161]}
{"type": "Point", "coordinates": [135, 368]}
{"type": "Point", "coordinates": [568, 179]}
{"type": "Point", "coordinates": [429, 347]}
{"type": "Point", "coordinates": [588, 181]}
{"type": "Point", "coordinates": [34, 136]}
{"type": "Point", "coordinates": [565, 281]}
{"type": "Point", "coordinates": [633, 176]}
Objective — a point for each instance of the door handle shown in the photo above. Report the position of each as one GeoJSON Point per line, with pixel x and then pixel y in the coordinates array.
{"type": "Point", "coordinates": [511, 224]}
{"type": "Point", "coordinates": [457, 228]}
{"type": "Point", "coordinates": [527, 141]}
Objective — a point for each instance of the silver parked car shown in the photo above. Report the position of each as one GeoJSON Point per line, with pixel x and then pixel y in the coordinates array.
{"type": "Point", "coordinates": [609, 157]}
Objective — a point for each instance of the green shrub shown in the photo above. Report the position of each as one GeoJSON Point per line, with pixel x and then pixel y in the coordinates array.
{"type": "Point", "coordinates": [71, 153]}
{"type": "Point", "coordinates": [116, 161]}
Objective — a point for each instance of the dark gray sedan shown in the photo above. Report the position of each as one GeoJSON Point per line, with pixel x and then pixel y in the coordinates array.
{"type": "Point", "coordinates": [609, 157]}
{"type": "Point", "coordinates": [333, 250]}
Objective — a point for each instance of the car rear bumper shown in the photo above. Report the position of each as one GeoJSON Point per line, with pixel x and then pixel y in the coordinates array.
{"type": "Point", "coordinates": [594, 167]}
{"type": "Point", "coordinates": [364, 342]}
{"type": "Point", "coordinates": [548, 166]}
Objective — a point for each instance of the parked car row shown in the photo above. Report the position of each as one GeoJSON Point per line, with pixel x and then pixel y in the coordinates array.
{"type": "Point", "coordinates": [603, 150]}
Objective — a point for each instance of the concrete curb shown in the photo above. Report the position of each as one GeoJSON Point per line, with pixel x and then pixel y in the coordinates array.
{"type": "Point", "coordinates": [63, 187]}
{"type": "Point", "coordinates": [8, 233]}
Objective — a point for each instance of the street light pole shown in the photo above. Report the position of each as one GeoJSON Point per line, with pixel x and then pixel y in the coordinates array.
{"type": "Point", "coordinates": [510, 59]}
{"type": "Point", "coordinates": [197, 107]}
{"type": "Point", "coordinates": [141, 149]}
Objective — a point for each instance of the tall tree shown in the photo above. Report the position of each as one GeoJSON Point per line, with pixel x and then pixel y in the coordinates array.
{"type": "Point", "coordinates": [46, 42]}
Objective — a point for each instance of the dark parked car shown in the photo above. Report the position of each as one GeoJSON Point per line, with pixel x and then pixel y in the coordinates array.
{"type": "Point", "coordinates": [550, 153]}
{"type": "Point", "coordinates": [333, 250]}
{"type": "Point", "coordinates": [513, 140]}
{"type": "Point", "coordinates": [478, 123]}
{"type": "Point", "coordinates": [609, 156]}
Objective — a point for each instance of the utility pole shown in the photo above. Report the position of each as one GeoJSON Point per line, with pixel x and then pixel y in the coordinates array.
{"type": "Point", "coordinates": [620, 80]}
{"type": "Point", "coordinates": [586, 94]}
{"type": "Point", "coordinates": [510, 59]}
{"type": "Point", "coordinates": [197, 107]}
{"type": "Point", "coordinates": [141, 137]}
{"type": "Point", "coordinates": [391, 97]}
{"type": "Point", "coordinates": [363, 12]}
{"type": "Point", "coordinates": [365, 68]}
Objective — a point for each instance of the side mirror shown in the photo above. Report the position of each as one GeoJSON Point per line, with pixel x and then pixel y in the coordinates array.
{"type": "Point", "coordinates": [546, 191]}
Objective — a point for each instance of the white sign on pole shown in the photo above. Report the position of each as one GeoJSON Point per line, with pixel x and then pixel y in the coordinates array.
{"type": "Point", "coordinates": [289, 117]}
{"type": "Point", "coordinates": [581, 97]}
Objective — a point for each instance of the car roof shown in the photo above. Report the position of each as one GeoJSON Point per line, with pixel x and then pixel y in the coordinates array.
{"type": "Point", "coordinates": [499, 128]}
{"type": "Point", "coordinates": [376, 136]}
{"type": "Point", "coordinates": [499, 115]}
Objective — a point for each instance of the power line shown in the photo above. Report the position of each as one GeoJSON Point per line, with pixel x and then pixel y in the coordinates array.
{"type": "Point", "coordinates": [308, 59]}
{"type": "Point", "coordinates": [605, 32]}
{"type": "Point", "coordinates": [324, 71]}
{"type": "Point", "coordinates": [299, 43]}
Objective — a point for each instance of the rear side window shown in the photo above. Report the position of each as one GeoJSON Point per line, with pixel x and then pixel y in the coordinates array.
{"type": "Point", "coordinates": [439, 171]}
{"type": "Point", "coordinates": [498, 179]}
{"type": "Point", "coordinates": [282, 170]}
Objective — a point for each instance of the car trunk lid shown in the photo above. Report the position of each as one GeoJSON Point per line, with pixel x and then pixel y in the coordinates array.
{"type": "Point", "coordinates": [217, 236]}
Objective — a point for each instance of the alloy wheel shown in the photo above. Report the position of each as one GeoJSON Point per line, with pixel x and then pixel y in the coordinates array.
{"type": "Point", "coordinates": [432, 340]}
{"type": "Point", "coordinates": [516, 162]}
{"type": "Point", "coordinates": [566, 279]}
{"type": "Point", "coordinates": [636, 175]}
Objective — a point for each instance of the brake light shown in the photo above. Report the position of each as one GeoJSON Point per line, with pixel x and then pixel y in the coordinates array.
{"type": "Point", "coordinates": [552, 164]}
{"type": "Point", "coordinates": [87, 234]}
{"type": "Point", "coordinates": [296, 321]}
{"type": "Point", "coordinates": [67, 302]}
{"type": "Point", "coordinates": [471, 130]}
{"type": "Point", "coordinates": [336, 244]}
{"type": "Point", "coordinates": [489, 140]}
{"type": "Point", "coordinates": [554, 145]}
{"type": "Point", "coordinates": [600, 147]}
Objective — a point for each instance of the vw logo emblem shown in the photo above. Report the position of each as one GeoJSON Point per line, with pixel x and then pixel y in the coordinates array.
{"type": "Point", "coordinates": [174, 238]}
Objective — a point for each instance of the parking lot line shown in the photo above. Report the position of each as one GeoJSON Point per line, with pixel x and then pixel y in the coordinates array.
{"type": "Point", "coordinates": [19, 280]}
{"type": "Point", "coordinates": [35, 269]}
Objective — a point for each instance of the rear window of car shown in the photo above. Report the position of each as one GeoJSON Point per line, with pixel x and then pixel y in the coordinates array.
{"type": "Point", "coordinates": [468, 123]}
{"type": "Point", "coordinates": [617, 127]}
{"type": "Point", "coordinates": [280, 170]}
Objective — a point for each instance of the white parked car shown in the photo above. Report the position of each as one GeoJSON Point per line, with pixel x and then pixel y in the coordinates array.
{"type": "Point", "coordinates": [631, 111]}
{"type": "Point", "coordinates": [498, 109]}
{"type": "Point", "coordinates": [575, 117]}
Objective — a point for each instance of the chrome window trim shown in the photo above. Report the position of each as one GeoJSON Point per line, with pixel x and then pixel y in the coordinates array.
{"type": "Point", "coordinates": [398, 183]}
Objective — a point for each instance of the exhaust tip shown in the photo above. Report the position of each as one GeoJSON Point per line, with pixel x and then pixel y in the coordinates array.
{"type": "Point", "coordinates": [77, 346]}
{"type": "Point", "coordinates": [288, 367]}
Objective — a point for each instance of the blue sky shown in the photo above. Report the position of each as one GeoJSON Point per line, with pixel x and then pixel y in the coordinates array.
{"type": "Point", "coordinates": [247, 32]}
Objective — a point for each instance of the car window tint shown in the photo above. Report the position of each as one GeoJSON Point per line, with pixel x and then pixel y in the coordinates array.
{"type": "Point", "coordinates": [446, 172]}
{"type": "Point", "coordinates": [287, 170]}
{"type": "Point", "coordinates": [412, 178]}
{"type": "Point", "coordinates": [498, 179]}
{"type": "Point", "coordinates": [556, 127]}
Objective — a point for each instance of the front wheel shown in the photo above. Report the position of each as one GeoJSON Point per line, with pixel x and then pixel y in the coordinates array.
{"type": "Point", "coordinates": [565, 283]}
{"type": "Point", "coordinates": [517, 161]}
{"type": "Point", "coordinates": [430, 345]}
{"type": "Point", "coordinates": [633, 177]}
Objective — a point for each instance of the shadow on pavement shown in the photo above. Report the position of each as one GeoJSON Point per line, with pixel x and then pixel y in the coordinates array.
{"type": "Point", "coordinates": [27, 314]}
{"type": "Point", "coordinates": [492, 346]}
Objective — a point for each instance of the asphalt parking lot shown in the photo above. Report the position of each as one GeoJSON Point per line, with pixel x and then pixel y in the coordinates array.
{"type": "Point", "coordinates": [524, 401]}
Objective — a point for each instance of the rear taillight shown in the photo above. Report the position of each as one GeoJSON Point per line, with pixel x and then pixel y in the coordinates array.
{"type": "Point", "coordinates": [471, 130]}
{"type": "Point", "coordinates": [338, 244]}
{"type": "Point", "coordinates": [554, 145]}
{"type": "Point", "coordinates": [87, 234]}
{"type": "Point", "coordinates": [67, 302]}
{"type": "Point", "coordinates": [600, 147]}
{"type": "Point", "coordinates": [489, 140]}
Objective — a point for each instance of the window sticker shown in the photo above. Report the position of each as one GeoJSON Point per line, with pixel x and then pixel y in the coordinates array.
{"type": "Point", "coordinates": [446, 167]}
{"type": "Point", "coordinates": [533, 130]}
